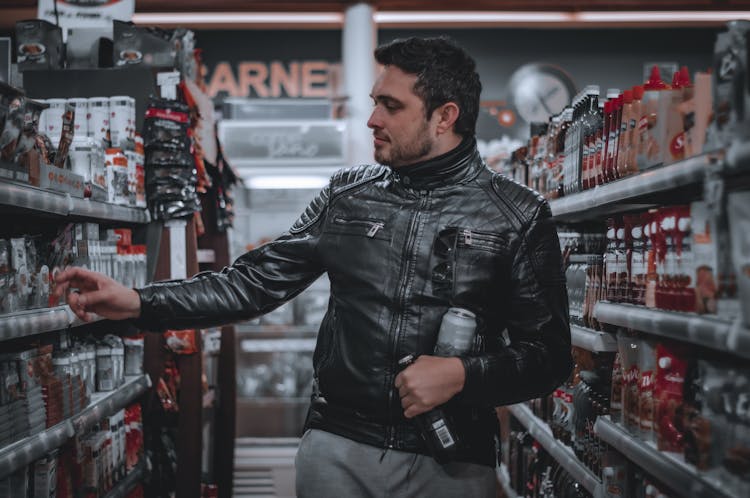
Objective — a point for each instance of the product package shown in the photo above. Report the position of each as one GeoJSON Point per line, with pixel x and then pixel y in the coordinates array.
{"type": "Point", "coordinates": [142, 45]}
{"type": "Point", "coordinates": [657, 98]}
{"type": "Point", "coordinates": [671, 370]}
{"type": "Point", "coordinates": [39, 45]}
{"type": "Point", "coordinates": [730, 93]}
{"type": "Point", "coordinates": [738, 211]}
{"type": "Point", "coordinates": [27, 139]}
{"type": "Point", "coordinates": [12, 127]}
{"type": "Point", "coordinates": [627, 346]}
{"type": "Point", "coordinates": [171, 175]}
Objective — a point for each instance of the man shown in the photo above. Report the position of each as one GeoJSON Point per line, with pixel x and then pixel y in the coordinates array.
{"type": "Point", "coordinates": [428, 228]}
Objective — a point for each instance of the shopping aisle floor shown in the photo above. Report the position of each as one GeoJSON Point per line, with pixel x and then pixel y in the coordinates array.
{"type": "Point", "coordinates": [264, 467]}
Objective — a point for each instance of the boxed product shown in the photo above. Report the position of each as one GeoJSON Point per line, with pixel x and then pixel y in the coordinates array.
{"type": "Point", "coordinates": [142, 45]}
{"type": "Point", "coordinates": [39, 45]}
{"type": "Point", "coordinates": [705, 252]}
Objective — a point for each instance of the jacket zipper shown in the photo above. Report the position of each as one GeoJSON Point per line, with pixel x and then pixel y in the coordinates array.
{"type": "Point", "coordinates": [375, 226]}
{"type": "Point", "coordinates": [402, 299]}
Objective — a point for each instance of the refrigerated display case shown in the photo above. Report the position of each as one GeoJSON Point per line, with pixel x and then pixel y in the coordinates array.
{"type": "Point", "coordinates": [274, 366]}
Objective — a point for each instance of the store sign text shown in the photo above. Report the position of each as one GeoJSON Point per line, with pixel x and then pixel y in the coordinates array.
{"type": "Point", "coordinates": [309, 79]}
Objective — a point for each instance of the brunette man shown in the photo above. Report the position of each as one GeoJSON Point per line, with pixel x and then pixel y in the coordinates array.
{"type": "Point", "coordinates": [428, 228]}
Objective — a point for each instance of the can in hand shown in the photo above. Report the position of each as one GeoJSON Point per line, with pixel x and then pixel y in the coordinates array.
{"type": "Point", "coordinates": [456, 334]}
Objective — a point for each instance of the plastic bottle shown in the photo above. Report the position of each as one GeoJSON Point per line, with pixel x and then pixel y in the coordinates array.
{"type": "Point", "coordinates": [633, 129]}
{"type": "Point", "coordinates": [651, 126]}
{"type": "Point", "coordinates": [623, 144]}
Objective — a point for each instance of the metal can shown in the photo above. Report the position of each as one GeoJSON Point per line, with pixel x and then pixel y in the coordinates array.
{"type": "Point", "coordinates": [119, 120]}
{"type": "Point", "coordinates": [99, 119]}
{"type": "Point", "coordinates": [456, 333]}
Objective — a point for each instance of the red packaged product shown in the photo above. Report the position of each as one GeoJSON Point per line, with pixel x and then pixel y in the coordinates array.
{"type": "Point", "coordinates": [671, 369]}
{"type": "Point", "coordinates": [181, 341]}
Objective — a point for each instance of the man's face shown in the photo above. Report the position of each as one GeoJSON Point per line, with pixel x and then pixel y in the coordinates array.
{"type": "Point", "coordinates": [402, 133]}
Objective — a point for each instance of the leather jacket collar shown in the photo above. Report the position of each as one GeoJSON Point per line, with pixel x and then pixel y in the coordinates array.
{"type": "Point", "coordinates": [448, 169]}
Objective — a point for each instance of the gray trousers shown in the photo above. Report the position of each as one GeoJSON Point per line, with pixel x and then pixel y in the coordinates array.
{"type": "Point", "coordinates": [328, 465]}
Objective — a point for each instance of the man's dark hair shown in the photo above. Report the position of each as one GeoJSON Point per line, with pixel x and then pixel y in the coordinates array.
{"type": "Point", "coordinates": [445, 73]}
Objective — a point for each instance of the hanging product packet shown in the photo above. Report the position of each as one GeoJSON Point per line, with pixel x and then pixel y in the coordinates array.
{"type": "Point", "coordinates": [66, 138]}
{"type": "Point", "coordinates": [166, 125]}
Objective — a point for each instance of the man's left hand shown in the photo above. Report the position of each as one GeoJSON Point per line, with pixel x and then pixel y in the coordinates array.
{"type": "Point", "coordinates": [428, 382]}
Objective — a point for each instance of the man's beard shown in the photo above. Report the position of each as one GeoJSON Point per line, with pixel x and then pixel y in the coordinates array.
{"type": "Point", "coordinates": [402, 154]}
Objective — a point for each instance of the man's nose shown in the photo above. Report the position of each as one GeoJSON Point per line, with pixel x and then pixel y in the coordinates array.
{"type": "Point", "coordinates": [374, 122]}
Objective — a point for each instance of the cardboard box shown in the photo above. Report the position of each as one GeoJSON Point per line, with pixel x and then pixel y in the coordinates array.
{"type": "Point", "coordinates": [60, 180]}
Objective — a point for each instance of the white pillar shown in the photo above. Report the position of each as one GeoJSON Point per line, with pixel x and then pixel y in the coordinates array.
{"type": "Point", "coordinates": [358, 41]}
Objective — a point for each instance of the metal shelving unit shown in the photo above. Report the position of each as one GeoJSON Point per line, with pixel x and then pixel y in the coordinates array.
{"type": "Point", "coordinates": [593, 340]}
{"type": "Point", "coordinates": [55, 203]}
{"type": "Point", "coordinates": [29, 449]}
{"type": "Point", "coordinates": [585, 204]}
{"type": "Point", "coordinates": [291, 330]}
{"type": "Point", "coordinates": [104, 404]}
{"type": "Point", "coordinates": [125, 486]}
{"type": "Point", "coordinates": [32, 322]}
{"type": "Point", "coordinates": [557, 450]}
{"type": "Point", "coordinates": [667, 467]}
{"type": "Point", "coordinates": [581, 258]}
{"type": "Point", "coordinates": [703, 330]}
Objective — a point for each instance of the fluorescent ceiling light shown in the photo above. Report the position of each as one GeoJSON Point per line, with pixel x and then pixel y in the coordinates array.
{"type": "Point", "coordinates": [415, 18]}
{"type": "Point", "coordinates": [286, 182]}
{"type": "Point", "coordinates": [386, 17]}
{"type": "Point", "coordinates": [238, 18]}
{"type": "Point", "coordinates": [661, 16]}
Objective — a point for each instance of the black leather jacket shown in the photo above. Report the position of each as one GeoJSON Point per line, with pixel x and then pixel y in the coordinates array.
{"type": "Point", "coordinates": [400, 247]}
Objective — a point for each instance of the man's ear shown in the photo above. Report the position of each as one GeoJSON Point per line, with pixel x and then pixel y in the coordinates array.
{"type": "Point", "coordinates": [446, 114]}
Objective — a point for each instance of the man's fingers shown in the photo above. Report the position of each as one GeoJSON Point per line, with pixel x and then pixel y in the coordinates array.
{"type": "Point", "coordinates": [89, 300]}
{"type": "Point", "coordinates": [78, 278]}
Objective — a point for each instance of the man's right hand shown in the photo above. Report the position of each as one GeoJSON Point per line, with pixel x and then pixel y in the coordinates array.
{"type": "Point", "coordinates": [97, 293]}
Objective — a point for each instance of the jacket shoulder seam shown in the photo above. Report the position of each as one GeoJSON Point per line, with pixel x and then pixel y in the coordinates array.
{"type": "Point", "coordinates": [349, 178]}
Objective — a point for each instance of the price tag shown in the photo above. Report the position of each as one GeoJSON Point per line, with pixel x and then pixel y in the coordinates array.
{"type": "Point", "coordinates": [168, 84]}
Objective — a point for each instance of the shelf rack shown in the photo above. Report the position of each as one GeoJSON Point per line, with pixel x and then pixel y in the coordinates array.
{"type": "Point", "coordinates": [682, 477]}
{"type": "Point", "coordinates": [55, 203]}
{"type": "Point", "coordinates": [31, 448]}
{"type": "Point", "coordinates": [703, 330]}
{"type": "Point", "coordinates": [586, 204]}
{"type": "Point", "coordinates": [125, 486]}
{"type": "Point", "coordinates": [31, 322]}
{"type": "Point", "coordinates": [105, 404]}
{"type": "Point", "coordinates": [540, 431]}
{"type": "Point", "coordinates": [593, 340]}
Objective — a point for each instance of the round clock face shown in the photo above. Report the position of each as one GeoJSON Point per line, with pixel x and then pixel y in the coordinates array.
{"type": "Point", "coordinates": [538, 91]}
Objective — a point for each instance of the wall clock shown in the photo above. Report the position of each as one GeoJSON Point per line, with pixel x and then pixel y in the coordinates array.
{"type": "Point", "coordinates": [538, 91]}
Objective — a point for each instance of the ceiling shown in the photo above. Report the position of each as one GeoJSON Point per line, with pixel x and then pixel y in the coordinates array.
{"type": "Point", "coordinates": [13, 10]}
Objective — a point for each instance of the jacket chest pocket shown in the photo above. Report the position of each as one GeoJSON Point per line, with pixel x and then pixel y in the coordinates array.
{"type": "Point", "coordinates": [359, 227]}
{"type": "Point", "coordinates": [467, 264]}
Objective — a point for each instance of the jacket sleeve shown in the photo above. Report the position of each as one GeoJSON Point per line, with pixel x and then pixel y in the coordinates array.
{"type": "Point", "coordinates": [256, 283]}
{"type": "Point", "coordinates": [538, 358]}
